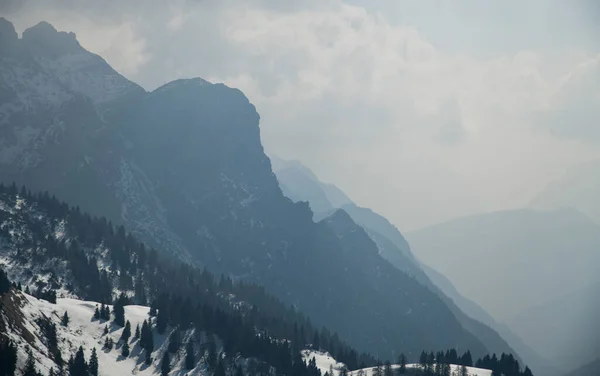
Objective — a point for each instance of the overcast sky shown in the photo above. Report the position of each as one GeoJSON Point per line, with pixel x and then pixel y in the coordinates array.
{"type": "Point", "coordinates": [422, 110]}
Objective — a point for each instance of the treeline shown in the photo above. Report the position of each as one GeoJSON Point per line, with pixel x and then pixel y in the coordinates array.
{"type": "Point", "coordinates": [507, 365]}
{"type": "Point", "coordinates": [247, 319]}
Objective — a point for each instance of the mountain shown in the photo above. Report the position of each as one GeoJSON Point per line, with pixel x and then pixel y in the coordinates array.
{"type": "Point", "coordinates": [51, 251]}
{"type": "Point", "coordinates": [591, 369]}
{"type": "Point", "coordinates": [536, 362]}
{"type": "Point", "coordinates": [576, 189]}
{"type": "Point", "coordinates": [183, 168]}
{"type": "Point", "coordinates": [573, 317]}
{"type": "Point", "coordinates": [301, 184]}
{"type": "Point", "coordinates": [504, 252]}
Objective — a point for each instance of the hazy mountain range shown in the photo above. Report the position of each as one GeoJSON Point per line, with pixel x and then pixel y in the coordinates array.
{"type": "Point", "coordinates": [183, 168]}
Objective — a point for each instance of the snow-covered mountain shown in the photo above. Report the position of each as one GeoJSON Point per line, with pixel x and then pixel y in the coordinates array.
{"type": "Point", "coordinates": [184, 169]}
{"type": "Point", "coordinates": [48, 249]}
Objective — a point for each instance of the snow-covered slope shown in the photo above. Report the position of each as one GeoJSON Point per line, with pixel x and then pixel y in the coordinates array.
{"type": "Point", "coordinates": [324, 361]}
{"type": "Point", "coordinates": [22, 313]}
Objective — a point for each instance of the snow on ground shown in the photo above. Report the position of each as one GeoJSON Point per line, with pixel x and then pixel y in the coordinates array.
{"type": "Point", "coordinates": [324, 361]}
{"type": "Point", "coordinates": [85, 331]}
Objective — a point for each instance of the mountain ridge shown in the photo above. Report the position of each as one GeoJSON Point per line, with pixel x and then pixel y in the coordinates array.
{"type": "Point", "coordinates": [184, 169]}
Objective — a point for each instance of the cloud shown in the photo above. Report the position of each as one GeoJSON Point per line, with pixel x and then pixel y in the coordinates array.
{"type": "Point", "coordinates": [421, 111]}
{"type": "Point", "coordinates": [574, 111]}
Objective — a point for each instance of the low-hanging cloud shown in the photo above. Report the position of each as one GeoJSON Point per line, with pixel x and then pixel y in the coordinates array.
{"type": "Point", "coordinates": [381, 101]}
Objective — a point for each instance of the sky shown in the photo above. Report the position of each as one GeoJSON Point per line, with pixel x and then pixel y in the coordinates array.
{"type": "Point", "coordinates": [422, 110]}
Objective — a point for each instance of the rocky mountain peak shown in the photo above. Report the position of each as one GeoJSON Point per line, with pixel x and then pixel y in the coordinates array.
{"type": "Point", "coordinates": [7, 30]}
{"type": "Point", "coordinates": [44, 38]}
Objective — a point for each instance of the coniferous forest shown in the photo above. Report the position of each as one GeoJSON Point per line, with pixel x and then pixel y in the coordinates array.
{"type": "Point", "coordinates": [246, 320]}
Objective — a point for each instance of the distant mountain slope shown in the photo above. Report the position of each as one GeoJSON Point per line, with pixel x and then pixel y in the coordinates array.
{"type": "Point", "coordinates": [184, 169]}
{"type": "Point", "coordinates": [591, 369]}
{"type": "Point", "coordinates": [393, 247]}
{"type": "Point", "coordinates": [578, 189]}
{"type": "Point", "coordinates": [524, 244]}
{"type": "Point", "coordinates": [539, 364]}
{"type": "Point", "coordinates": [493, 259]}
{"type": "Point", "coordinates": [573, 317]}
{"type": "Point", "coordinates": [301, 184]}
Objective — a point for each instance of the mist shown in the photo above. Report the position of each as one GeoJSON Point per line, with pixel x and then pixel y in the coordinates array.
{"type": "Point", "coordinates": [452, 147]}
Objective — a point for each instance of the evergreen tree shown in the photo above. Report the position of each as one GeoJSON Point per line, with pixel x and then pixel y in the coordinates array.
{"type": "Point", "coordinates": [126, 332]}
{"type": "Point", "coordinates": [190, 359]}
{"type": "Point", "coordinates": [30, 369]}
{"type": "Point", "coordinates": [527, 372]}
{"type": "Point", "coordinates": [387, 369]}
{"type": "Point", "coordinates": [65, 319]}
{"type": "Point", "coordinates": [51, 372]}
{"type": "Point", "coordinates": [125, 350]}
{"type": "Point", "coordinates": [4, 283]}
{"type": "Point", "coordinates": [93, 364]}
{"type": "Point", "coordinates": [119, 309]}
{"type": "Point", "coordinates": [165, 365]}
{"type": "Point", "coordinates": [137, 331]}
{"type": "Point", "coordinates": [78, 366]}
{"type": "Point", "coordinates": [239, 371]}
{"type": "Point", "coordinates": [402, 363]}
{"type": "Point", "coordinates": [423, 361]}
{"type": "Point", "coordinates": [463, 371]}
{"type": "Point", "coordinates": [220, 371]}
{"type": "Point", "coordinates": [105, 330]}
{"type": "Point", "coordinates": [174, 341]}
{"type": "Point", "coordinates": [96, 313]}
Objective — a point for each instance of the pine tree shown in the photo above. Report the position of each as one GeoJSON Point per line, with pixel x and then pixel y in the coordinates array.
{"type": "Point", "coordinates": [119, 309]}
{"type": "Point", "coordinates": [220, 371]}
{"type": "Point", "coordinates": [165, 365]}
{"type": "Point", "coordinates": [174, 341]}
{"type": "Point", "coordinates": [52, 372]}
{"type": "Point", "coordinates": [239, 371]}
{"type": "Point", "coordinates": [30, 369]}
{"type": "Point", "coordinates": [402, 363]}
{"type": "Point", "coordinates": [387, 369]}
{"type": "Point", "coordinates": [125, 350]}
{"type": "Point", "coordinates": [65, 319]}
{"type": "Point", "coordinates": [527, 372]}
{"type": "Point", "coordinates": [137, 332]}
{"type": "Point", "coordinates": [4, 283]}
{"type": "Point", "coordinates": [463, 371]}
{"type": "Point", "coordinates": [190, 359]}
{"type": "Point", "coordinates": [96, 313]}
{"type": "Point", "coordinates": [93, 364]}
{"type": "Point", "coordinates": [126, 332]}
{"type": "Point", "coordinates": [106, 330]}
{"type": "Point", "coordinates": [78, 366]}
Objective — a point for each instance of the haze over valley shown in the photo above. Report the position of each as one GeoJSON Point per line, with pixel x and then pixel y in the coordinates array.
{"type": "Point", "coordinates": [324, 188]}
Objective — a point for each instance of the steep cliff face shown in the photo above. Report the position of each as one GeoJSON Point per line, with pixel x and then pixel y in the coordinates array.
{"type": "Point", "coordinates": [184, 169]}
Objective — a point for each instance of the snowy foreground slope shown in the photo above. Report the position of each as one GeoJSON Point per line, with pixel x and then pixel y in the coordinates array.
{"type": "Point", "coordinates": [324, 361]}
{"type": "Point", "coordinates": [83, 331]}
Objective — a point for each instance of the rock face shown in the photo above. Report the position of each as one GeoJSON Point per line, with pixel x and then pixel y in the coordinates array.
{"type": "Point", "coordinates": [184, 169]}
